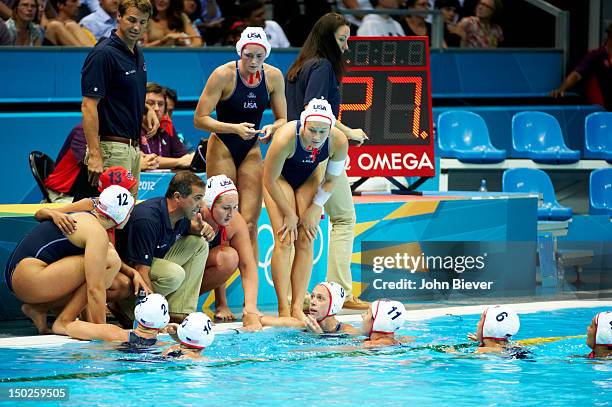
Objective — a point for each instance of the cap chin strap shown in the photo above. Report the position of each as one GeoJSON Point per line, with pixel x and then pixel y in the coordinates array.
{"type": "Point", "coordinates": [222, 229]}
{"type": "Point", "coordinates": [257, 76]}
{"type": "Point", "coordinates": [190, 346]}
{"type": "Point", "coordinates": [330, 304]}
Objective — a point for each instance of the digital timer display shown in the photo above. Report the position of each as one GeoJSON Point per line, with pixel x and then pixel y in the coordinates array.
{"type": "Point", "coordinates": [386, 92]}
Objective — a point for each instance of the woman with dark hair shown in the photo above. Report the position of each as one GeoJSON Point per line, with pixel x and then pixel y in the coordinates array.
{"type": "Point", "coordinates": [453, 34]}
{"type": "Point", "coordinates": [169, 26]}
{"type": "Point", "coordinates": [21, 27]}
{"type": "Point", "coordinates": [482, 30]}
{"type": "Point", "coordinates": [414, 25]}
{"type": "Point", "coordinates": [317, 73]}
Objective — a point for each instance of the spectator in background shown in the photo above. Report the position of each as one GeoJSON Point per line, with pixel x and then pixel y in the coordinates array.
{"type": "Point", "coordinates": [169, 26]}
{"type": "Point", "coordinates": [21, 26]}
{"type": "Point", "coordinates": [193, 9]}
{"type": "Point", "coordinates": [354, 20]}
{"type": "Point", "coordinates": [300, 13]}
{"type": "Point", "coordinates": [162, 150]}
{"type": "Point", "coordinates": [64, 30]}
{"type": "Point", "coordinates": [234, 32]}
{"type": "Point", "coordinates": [68, 164]}
{"type": "Point", "coordinates": [378, 25]}
{"type": "Point", "coordinates": [414, 25]}
{"type": "Point", "coordinates": [210, 11]}
{"type": "Point", "coordinates": [453, 34]}
{"type": "Point", "coordinates": [6, 11]}
{"type": "Point", "coordinates": [253, 13]}
{"type": "Point", "coordinates": [482, 30]}
{"type": "Point", "coordinates": [102, 21]}
{"type": "Point", "coordinates": [171, 100]}
{"type": "Point", "coordinates": [596, 69]}
{"type": "Point", "coordinates": [5, 35]}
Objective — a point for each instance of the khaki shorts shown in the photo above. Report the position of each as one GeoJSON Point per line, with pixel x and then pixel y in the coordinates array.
{"type": "Point", "coordinates": [115, 153]}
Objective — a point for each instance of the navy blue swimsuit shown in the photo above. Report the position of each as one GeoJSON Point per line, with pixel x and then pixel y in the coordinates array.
{"type": "Point", "coordinates": [246, 104]}
{"type": "Point", "coordinates": [45, 242]}
{"type": "Point", "coordinates": [138, 341]}
{"type": "Point", "coordinates": [302, 164]}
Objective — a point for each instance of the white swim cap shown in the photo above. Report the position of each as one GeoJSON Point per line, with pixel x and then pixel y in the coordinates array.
{"type": "Point", "coordinates": [253, 35]}
{"type": "Point", "coordinates": [337, 296]}
{"type": "Point", "coordinates": [500, 323]}
{"type": "Point", "coordinates": [318, 110]}
{"type": "Point", "coordinates": [115, 202]}
{"type": "Point", "coordinates": [603, 328]}
{"type": "Point", "coordinates": [196, 330]}
{"type": "Point", "coordinates": [217, 186]}
{"type": "Point", "coordinates": [152, 311]}
{"type": "Point", "coordinates": [388, 316]}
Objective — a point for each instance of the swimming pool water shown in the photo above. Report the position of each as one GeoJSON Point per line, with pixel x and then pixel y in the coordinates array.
{"type": "Point", "coordinates": [282, 367]}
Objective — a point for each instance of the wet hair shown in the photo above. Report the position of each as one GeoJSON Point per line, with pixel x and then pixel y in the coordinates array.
{"type": "Point", "coordinates": [321, 43]}
{"type": "Point", "coordinates": [183, 183]}
{"type": "Point", "coordinates": [144, 6]}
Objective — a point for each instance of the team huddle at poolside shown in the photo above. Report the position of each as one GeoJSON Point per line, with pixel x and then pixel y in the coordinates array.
{"type": "Point", "coordinates": [174, 245]}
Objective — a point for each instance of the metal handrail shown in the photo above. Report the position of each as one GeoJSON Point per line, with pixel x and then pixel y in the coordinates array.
{"type": "Point", "coordinates": [562, 39]}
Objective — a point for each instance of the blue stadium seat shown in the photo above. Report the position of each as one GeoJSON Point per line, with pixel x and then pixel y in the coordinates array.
{"type": "Point", "coordinates": [598, 136]}
{"type": "Point", "coordinates": [600, 192]}
{"type": "Point", "coordinates": [537, 135]}
{"type": "Point", "coordinates": [464, 135]}
{"type": "Point", "coordinates": [529, 180]}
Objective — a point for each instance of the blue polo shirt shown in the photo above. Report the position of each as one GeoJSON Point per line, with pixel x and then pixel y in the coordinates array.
{"type": "Point", "coordinates": [148, 233]}
{"type": "Point", "coordinates": [118, 78]}
{"type": "Point", "coordinates": [316, 78]}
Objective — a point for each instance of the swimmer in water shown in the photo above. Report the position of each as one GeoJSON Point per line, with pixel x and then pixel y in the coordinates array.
{"type": "Point", "coordinates": [496, 326]}
{"type": "Point", "coordinates": [151, 314]}
{"type": "Point", "coordinates": [599, 335]}
{"type": "Point", "coordinates": [193, 335]}
{"type": "Point", "coordinates": [380, 322]}
{"type": "Point", "coordinates": [326, 300]}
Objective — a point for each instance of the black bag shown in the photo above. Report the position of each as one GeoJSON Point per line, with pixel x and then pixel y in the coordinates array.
{"type": "Point", "coordinates": [198, 164]}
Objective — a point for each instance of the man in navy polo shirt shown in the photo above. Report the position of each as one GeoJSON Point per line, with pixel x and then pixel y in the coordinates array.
{"type": "Point", "coordinates": [163, 241]}
{"type": "Point", "coordinates": [113, 82]}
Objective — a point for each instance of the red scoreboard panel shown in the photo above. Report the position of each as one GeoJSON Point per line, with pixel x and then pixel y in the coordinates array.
{"type": "Point", "coordinates": [386, 92]}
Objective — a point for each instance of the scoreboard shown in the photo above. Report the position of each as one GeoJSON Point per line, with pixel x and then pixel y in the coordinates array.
{"type": "Point", "coordinates": [386, 92]}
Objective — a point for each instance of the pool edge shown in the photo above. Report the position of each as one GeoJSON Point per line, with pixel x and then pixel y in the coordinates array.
{"type": "Point", "coordinates": [42, 341]}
